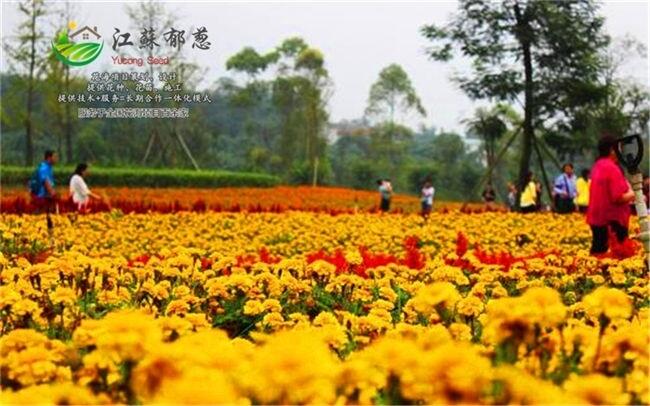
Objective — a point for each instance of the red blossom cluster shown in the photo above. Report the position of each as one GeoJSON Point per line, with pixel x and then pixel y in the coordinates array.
{"type": "Point", "coordinates": [503, 259]}
{"type": "Point", "coordinates": [413, 258]}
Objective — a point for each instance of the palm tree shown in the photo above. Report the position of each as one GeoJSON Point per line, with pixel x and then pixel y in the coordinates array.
{"type": "Point", "coordinates": [489, 126]}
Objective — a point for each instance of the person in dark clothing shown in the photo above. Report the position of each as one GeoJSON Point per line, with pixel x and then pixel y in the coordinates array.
{"type": "Point", "coordinates": [385, 192]}
{"type": "Point", "coordinates": [489, 196]}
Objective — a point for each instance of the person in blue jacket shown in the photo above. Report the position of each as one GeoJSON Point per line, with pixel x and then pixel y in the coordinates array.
{"type": "Point", "coordinates": [43, 191]}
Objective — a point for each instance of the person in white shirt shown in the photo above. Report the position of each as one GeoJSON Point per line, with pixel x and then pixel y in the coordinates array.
{"type": "Point", "coordinates": [427, 198]}
{"type": "Point", "coordinates": [79, 191]}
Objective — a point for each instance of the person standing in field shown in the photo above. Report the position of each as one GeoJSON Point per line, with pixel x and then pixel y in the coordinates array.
{"type": "Point", "coordinates": [582, 188]}
{"type": "Point", "coordinates": [489, 196]}
{"type": "Point", "coordinates": [385, 193]}
{"type": "Point", "coordinates": [528, 199]}
{"type": "Point", "coordinates": [564, 190]}
{"type": "Point", "coordinates": [610, 196]}
{"type": "Point", "coordinates": [79, 191]}
{"type": "Point", "coordinates": [42, 184]}
{"type": "Point", "coordinates": [426, 199]}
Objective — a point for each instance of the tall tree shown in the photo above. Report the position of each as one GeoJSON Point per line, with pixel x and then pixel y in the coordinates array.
{"type": "Point", "coordinates": [146, 18]}
{"type": "Point", "coordinates": [547, 51]}
{"type": "Point", "coordinates": [392, 93]}
{"type": "Point", "coordinates": [28, 55]}
{"type": "Point", "coordinates": [300, 93]}
{"type": "Point", "coordinates": [60, 80]}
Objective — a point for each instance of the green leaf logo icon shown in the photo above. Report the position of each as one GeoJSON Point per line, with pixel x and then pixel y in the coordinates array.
{"type": "Point", "coordinates": [75, 54]}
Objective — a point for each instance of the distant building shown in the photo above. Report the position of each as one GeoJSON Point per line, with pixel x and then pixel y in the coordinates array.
{"type": "Point", "coordinates": [354, 127]}
{"type": "Point", "coordinates": [85, 33]}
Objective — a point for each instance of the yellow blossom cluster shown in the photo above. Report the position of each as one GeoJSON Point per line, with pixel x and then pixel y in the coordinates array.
{"type": "Point", "coordinates": [313, 308]}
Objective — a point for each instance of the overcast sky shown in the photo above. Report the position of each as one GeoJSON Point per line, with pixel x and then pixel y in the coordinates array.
{"type": "Point", "coordinates": [357, 39]}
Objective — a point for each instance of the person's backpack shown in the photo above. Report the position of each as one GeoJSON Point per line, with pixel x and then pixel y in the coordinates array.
{"type": "Point", "coordinates": [34, 183]}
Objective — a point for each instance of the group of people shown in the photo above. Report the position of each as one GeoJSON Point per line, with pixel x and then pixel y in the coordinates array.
{"type": "Point", "coordinates": [602, 193]}
{"type": "Point", "coordinates": [43, 190]}
{"type": "Point", "coordinates": [426, 196]}
{"type": "Point", "coordinates": [570, 193]}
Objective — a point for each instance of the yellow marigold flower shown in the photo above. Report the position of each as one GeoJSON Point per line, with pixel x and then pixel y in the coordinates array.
{"type": "Point", "coordinates": [549, 308]}
{"type": "Point", "coordinates": [470, 306]}
{"type": "Point", "coordinates": [430, 296]}
{"type": "Point", "coordinates": [610, 302]}
{"type": "Point", "coordinates": [597, 279]}
{"type": "Point", "coordinates": [272, 305]}
{"type": "Point", "coordinates": [325, 318]}
{"type": "Point", "coordinates": [522, 388]}
{"type": "Point", "coordinates": [28, 357]}
{"type": "Point", "coordinates": [174, 327]}
{"type": "Point", "coordinates": [597, 389]}
{"type": "Point", "coordinates": [95, 364]}
{"type": "Point", "coordinates": [388, 293]}
{"type": "Point", "coordinates": [279, 373]}
{"type": "Point", "coordinates": [199, 321]}
{"type": "Point", "coordinates": [179, 306]}
{"type": "Point", "coordinates": [63, 295]}
{"type": "Point", "coordinates": [253, 307]}
{"type": "Point", "coordinates": [199, 387]}
{"type": "Point", "coordinates": [353, 257]}
{"type": "Point", "coordinates": [127, 334]}
{"type": "Point", "coordinates": [461, 331]}
{"type": "Point", "coordinates": [499, 291]}
{"type": "Point", "coordinates": [8, 296]}
{"type": "Point", "coordinates": [441, 376]}
{"type": "Point", "coordinates": [59, 394]}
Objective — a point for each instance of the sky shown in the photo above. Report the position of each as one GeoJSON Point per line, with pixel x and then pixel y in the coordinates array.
{"type": "Point", "coordinates": [357, 40]}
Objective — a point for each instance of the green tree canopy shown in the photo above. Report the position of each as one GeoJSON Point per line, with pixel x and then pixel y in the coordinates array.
{"type": "Point", "coordinates": [392, 93]}
{"type": "Point", "coordinates": [547, 51]}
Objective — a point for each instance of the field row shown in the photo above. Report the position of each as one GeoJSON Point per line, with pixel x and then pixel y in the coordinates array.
{"type": "Point", "coordinates": [312, 308]}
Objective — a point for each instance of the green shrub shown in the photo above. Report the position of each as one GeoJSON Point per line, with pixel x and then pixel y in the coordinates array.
{"type": "Point", "coordinates": [145, 177]}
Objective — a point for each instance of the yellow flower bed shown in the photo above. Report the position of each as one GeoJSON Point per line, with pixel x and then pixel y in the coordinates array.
{"type": "Point", "coordinates": [296, 308]}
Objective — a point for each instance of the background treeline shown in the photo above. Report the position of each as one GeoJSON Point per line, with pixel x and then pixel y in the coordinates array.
{"type": "Point", "coordinates": [147, 177]}
{"type": "Point", "coordinates": [545, 101]}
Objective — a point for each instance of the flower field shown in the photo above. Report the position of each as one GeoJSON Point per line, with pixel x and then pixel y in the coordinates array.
{"type": "Point", "coordinates": [278, 199]}
{"type": "Point", "coordinates": [300, 307]}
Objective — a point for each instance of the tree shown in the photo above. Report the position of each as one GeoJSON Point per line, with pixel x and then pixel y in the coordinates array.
{"type": "Point", "coordinates": [298, 93]}
{"type": "Point", "coordinates": [393, 92]}
{"type": "Point", "coordinates": [154, 16]}
{"type": "Point", "coordinates": [59, 80]}
{"type": "Point", "coordinates": [29, 55]}
{"type": "Point", "coordinates": [249, 61]}
{"type": "Point", "coordinates": [546, 50]}
{"type": "Point", "coordinates": [625, 107]}
{"type": "Point", "coordinates": [489, 126]}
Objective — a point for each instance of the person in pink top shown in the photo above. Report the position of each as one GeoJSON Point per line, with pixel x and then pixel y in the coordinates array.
{"type": "Point", "coordinates": [610, 196]}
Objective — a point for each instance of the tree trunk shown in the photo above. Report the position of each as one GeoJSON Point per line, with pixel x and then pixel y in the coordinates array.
{"type": "Point", "coordinates": [29, 143]}
{"type": "Point", "coordinates": [68, 120]}
{"type": "Point", "coordinates": [523, 36]}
